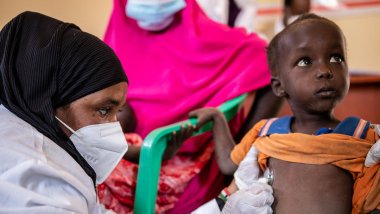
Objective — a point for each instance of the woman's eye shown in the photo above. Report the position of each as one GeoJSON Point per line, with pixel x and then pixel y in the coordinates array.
{"type": "Point", "coordinates": [336, 59]}
{"type": "Point", "coordinates": [304, 62]}
{"type": "Point", "coordinates": [103, 112]}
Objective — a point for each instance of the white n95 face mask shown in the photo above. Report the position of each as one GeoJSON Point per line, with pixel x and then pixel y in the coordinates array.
{"type": "Point", "coordinates": [101, 145]}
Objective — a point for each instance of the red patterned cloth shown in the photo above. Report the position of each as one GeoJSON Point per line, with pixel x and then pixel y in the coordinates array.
{"type": "Point", "coordinates": [117, 192]}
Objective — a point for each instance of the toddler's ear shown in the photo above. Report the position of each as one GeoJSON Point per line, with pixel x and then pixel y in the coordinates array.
{"type": "Point", "coordinates": [277, 88]}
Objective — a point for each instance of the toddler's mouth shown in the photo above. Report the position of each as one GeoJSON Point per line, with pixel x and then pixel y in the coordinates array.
{"type": "Point", "coordinates": [326, 92]}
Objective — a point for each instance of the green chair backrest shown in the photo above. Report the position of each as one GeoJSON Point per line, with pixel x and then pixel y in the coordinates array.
{"type": "Point", "coordinates": [151, 156]}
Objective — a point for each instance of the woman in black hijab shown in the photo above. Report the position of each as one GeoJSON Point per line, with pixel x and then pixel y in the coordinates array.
{"type": "Point", "coordinates": [59, 87]}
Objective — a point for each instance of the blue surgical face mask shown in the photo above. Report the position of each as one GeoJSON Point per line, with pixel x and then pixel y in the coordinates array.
{"type": "Point", "coordinates": [153, 15]}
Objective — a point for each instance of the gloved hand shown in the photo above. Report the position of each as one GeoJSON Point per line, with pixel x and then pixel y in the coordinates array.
{"type": "Point", "coordinates": [248, 170]}
{"type": "Point", "coordinates": [373, 155]}
{"type": "Point", "coordinates": [257, 199]}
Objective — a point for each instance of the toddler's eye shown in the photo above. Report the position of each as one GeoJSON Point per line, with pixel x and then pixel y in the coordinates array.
{"type": "Point", "coordinates": [336, 59]}
{"type": "Point", "coordinates": [304, 62]}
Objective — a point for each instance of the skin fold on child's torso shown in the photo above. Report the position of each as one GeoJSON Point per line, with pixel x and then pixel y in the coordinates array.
{"type": "Point", "coordinates": [313, 189]}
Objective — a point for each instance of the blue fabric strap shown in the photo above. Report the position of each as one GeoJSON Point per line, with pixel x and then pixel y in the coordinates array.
{"type": "Point", "coordinates": [352, 126]}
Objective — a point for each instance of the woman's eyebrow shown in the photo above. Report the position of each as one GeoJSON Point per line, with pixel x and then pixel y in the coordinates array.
{"type": "Point", "coordinates": [111, 101]}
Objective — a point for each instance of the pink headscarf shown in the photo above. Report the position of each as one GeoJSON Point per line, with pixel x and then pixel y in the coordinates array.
{"type": "Point", "coordinates": [194, 63]}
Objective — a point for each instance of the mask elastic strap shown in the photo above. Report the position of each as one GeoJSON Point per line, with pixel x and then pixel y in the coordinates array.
{"type": "Point", "coordinates": [68, 127]}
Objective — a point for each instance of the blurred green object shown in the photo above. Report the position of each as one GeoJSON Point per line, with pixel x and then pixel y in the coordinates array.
{"type": "Point", "coordinates": [153, 148]}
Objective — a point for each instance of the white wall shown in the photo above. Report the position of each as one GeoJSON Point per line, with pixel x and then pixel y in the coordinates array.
{"type": "Point", "coordinates": [363, 40]}
{"type": "Point", "coordinates": [90, 15]}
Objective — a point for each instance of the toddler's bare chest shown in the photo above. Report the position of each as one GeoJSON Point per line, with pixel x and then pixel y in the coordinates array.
{"type": "Point", "coordinates": [305, 188]}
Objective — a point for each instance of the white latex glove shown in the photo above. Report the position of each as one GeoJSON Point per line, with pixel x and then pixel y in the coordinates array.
{"type": "Point", "coordinates": [208, 208]}
{"type": "Point", "coordinates": [373, 155]}
{"type": "Point", "coordinates": [257, 199]}
{"type": "Point", "coordinates": [248, 171]}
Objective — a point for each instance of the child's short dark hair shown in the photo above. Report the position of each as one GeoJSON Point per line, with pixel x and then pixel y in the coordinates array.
{"type": "Point", "coordinates": [272, 49]}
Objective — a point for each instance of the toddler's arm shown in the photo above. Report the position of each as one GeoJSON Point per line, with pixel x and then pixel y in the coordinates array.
{"type": "Point", "coordinates": [224, 142]}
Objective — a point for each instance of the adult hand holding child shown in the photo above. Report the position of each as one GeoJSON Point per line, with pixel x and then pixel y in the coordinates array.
{"type": "Point", "coordinates": [254, 194]}
{"type": "Point", "coordinates": [373, 155]}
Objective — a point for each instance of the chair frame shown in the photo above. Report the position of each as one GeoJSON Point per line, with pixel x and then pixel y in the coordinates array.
{"type": "Point", "coordinates": [153, 149]}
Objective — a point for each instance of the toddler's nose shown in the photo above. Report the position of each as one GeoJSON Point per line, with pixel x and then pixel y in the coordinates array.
{"type": "Point", "coordinates": [324, 72]}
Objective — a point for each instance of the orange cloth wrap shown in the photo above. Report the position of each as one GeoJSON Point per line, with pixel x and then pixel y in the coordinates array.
{"type": "Point", "coordinates": [240, 150]}
{"type": "Point", "coordinates": [343, 151]}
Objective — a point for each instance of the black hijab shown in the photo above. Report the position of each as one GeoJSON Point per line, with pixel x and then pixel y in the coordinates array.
{"type": "Point", "coordinates": [46, 64]}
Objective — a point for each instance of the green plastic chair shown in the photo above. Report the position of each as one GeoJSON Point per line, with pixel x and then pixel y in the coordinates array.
{"type": "Point", "coordinates": [151, 156]}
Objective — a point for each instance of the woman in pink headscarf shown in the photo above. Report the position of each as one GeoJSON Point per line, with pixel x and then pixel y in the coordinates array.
{"type": "Point", "coordinates": [192, 63]}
